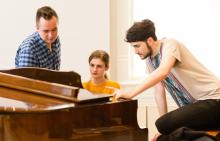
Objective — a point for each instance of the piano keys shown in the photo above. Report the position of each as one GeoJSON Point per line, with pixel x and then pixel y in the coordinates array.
{"type": "Point", "coordinates": [35, 107]}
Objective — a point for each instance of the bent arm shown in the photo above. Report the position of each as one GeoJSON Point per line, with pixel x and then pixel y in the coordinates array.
{"type": "Point", "coordinates": [155, 77]}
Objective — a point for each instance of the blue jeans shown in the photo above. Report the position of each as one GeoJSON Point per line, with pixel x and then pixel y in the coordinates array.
{"type": "Point", "coordinates": [201, 115]}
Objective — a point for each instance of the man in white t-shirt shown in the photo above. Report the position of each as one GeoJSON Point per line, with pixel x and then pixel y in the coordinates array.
{"type": "Point", "coordinates": [193, 87]}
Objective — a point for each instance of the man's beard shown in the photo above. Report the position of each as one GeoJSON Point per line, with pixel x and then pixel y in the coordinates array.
{"type": "Point", "coordinates": [149, 53]}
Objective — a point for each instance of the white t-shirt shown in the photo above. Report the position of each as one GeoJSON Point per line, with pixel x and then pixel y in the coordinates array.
{"type": "Point", "coordinates": [197, 79]}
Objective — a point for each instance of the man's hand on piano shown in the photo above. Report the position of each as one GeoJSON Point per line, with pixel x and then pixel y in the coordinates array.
{"type": "Point", "coordinates": [115, 91]}
{"type": "Point", "coordinates": [119, 95]}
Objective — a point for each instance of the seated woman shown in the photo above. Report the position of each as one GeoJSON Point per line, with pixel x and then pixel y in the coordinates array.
{"type": "Point", "coordinates": [99, 82]}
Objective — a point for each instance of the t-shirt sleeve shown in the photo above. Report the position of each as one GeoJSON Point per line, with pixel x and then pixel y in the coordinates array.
{"type": "Point", "coordinates": [171, 48]}
{"type": "Point", "coordinates": [118, 85]}
{"type": "Point", "coordinates": [85, 85]}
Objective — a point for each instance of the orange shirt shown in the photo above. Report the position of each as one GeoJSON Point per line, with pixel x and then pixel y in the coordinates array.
{"type": "Point", "coordinates": [108, 87]}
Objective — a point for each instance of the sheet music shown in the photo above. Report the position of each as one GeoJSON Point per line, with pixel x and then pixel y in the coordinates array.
{"type": "Point", "coordinates": [85, 95]}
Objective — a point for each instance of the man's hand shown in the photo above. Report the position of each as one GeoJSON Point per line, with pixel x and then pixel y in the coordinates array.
{"type": "Point", "coordinates": [116, 93]}
{"type": "Point", "coordinates": [119, 95]}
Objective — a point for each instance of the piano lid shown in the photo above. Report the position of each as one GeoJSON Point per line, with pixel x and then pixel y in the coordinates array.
{"type": "Point", "coordinates": [42, 95]}
{"type": "Point", "coordinates": [70, 78]}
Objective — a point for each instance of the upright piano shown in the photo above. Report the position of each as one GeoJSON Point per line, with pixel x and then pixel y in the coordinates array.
{"type": "Point", "coordinates": [43, 105]}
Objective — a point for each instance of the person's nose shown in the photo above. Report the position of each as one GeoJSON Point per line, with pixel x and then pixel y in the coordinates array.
{"type": "Point", "coordinates": [94, 68]}
{"type": "Point", "coordinates": [50, 34]}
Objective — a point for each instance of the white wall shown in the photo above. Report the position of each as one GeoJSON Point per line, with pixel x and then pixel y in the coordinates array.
{"type": "Point", "coordinates": [194, 23]}
{"type": "Point", "coordinates": [83, 27]}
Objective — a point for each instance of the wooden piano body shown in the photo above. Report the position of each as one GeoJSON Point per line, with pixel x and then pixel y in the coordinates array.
{"type": "Point", "coordinates": [44, 105]}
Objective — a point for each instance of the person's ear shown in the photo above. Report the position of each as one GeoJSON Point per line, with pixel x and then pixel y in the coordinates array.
{"type": "Point", "coordinates": [150, 40]}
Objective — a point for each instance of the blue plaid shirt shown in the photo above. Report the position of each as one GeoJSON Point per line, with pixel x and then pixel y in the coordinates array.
{"type": "Point", "coordinates": [33, 52]}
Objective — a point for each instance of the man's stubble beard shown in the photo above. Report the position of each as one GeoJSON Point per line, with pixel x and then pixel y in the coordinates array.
{"type": "Point", "coordinates": [149, 53]}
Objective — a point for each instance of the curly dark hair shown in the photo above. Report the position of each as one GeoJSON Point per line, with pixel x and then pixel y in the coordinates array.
{"type": "Point", "coordinates": [140, 31]}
